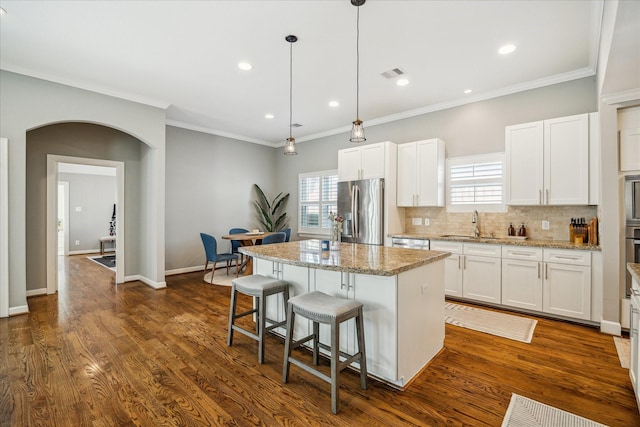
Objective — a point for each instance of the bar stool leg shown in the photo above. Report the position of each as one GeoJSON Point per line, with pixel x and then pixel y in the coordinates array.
{"type": "Point", "coordinates": [232, 314]}
{"type": "Point", "coordinates": [316, 342]}
{"type": "Point", "coordinates": [287, 343]}
{"type": "Point", "coordinates": [262, 308]}
{"type": "Point", "coordinates": [335, 360]}
{"type": "Point", "coordinates": [361, 349]}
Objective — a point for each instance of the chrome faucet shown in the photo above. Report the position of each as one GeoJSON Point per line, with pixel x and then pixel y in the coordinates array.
{"type": "Point", "coordinates": [476, 220]}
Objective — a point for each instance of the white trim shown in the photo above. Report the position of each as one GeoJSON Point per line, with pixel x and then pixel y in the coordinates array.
{"type": "Point", "coordinates": [36, 292]}
{"type": "Point", "coordinates": [65, 220]}
{"type": "Point", "coordinates": [204, 129]}
{"type": "Point", "coordinates": [4, 227]}
{"type": "Point", "coordinates": [21, 309]}
{"type": "Point", "coordinates": [52, 199]}
{"type": "Point", "coordinates": [611, 328]}
{"type": "Point", "coordinates": [622, 97]}
{"type": "Point", "coordinates": [88, 251]}
{"type": "Point", "coordinates": [146, 281]}
{"type": "Point", "coordinates": [184, 270]}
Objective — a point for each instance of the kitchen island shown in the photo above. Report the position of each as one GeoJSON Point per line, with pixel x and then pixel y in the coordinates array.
{"type": "Point", "coordinates": [402, 291]}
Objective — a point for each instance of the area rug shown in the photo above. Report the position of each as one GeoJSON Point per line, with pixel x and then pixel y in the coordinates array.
{"type": "Point", "coordinates": [221, 278]}
{"type": "Point", "coordinates": [524, 412]}
{"type": "Point", "coordinates": [623, 347]}
{"type": "Point", "coordinates": [490, 322]}
{"type": "Point", "coordinates": [108, 261]}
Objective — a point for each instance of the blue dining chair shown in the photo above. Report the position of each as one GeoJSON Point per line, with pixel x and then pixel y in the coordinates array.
{"type": "Point", "coordinates": [211, 252]}
{"type": "Point", "coordinates": [278, 237]}
{"type": "Point", "coordinates": [287, 231]}
{"type": "Point", "coordinates": [235, 244]}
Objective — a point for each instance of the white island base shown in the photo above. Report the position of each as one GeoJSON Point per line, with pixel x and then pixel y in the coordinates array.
{"type": "Point", "coordinates": [403, 313]}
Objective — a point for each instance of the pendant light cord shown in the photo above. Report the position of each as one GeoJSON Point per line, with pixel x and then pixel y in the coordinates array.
{"type": "Point", "coordinates": [290, 86]}
{"type": "Point", "coordinates": [358, 63]}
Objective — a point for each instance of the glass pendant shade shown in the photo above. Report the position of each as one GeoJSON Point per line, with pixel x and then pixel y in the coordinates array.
{"type": "Point", "coordinates": [357, 132]}
{"type": "Point", "coordinates": [290, 146]}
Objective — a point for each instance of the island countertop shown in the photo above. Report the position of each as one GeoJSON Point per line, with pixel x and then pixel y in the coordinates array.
{"type": "Point", "coordinates": [634, 269]}
{"type": "Point", "coordinates": [350, 257]}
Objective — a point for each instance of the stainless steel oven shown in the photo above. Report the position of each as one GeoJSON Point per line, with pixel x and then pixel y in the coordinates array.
{"type": "Point", "coordinates": [632, 200]}
{"type": "Point", "coordinates": [632, 248]}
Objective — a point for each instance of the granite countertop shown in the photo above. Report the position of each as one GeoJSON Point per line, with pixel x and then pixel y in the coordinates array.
{"type": "Point", "coordinates": [634, 269]}
{"type": "Point", "coordinates": [558, 244]}
{"type": "Point", "coordinates": [351, 257]}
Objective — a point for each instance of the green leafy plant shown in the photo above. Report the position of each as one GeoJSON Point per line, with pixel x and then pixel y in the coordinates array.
{"type": "Point", "coordinates": [272, 214]}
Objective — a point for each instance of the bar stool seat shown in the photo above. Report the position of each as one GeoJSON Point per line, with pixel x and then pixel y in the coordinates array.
{"type": "Point", "coordinates": [260, 287]}
{"type": "Point", "coordinates": [322, 308]}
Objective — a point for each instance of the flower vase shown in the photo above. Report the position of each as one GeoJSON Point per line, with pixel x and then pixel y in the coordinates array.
{"type": "Point", "coordinates": [335, 240]}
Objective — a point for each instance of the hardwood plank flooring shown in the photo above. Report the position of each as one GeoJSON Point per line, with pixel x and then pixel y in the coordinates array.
{"type": "Point", "coordinates": [99, 355]}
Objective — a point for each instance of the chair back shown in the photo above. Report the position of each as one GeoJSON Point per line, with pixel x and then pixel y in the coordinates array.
{"type": "Point", "coordinates": [287, 231]}
{"type": "Point", "coordinates": [210, 246]}
{"type": "Point", "coordinates": [234, 243]}
{"type": "Point", "coordinates": [278, 237]}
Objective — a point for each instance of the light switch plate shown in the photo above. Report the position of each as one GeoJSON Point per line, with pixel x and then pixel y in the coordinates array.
{"type": "Point", "coordinates": [416, 221]}
{"type": "Point", "coordinates": [545, 225]}
{"type": "Point", "coordinates": [426, 221]}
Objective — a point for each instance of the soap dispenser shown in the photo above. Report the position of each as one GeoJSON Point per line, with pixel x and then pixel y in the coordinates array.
{"type": "Point", "coordinates": [511, 231]}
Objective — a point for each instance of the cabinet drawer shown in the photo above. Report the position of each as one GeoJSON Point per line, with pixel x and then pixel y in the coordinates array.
{"type": "Point", "coordinates": [482, 249]}
{"type": "Point", "coordinates": [439, 245]}
{"type": "Point", "coordinates": [518, 252]}
{"type": "Point", "coordinates": [563, 256]}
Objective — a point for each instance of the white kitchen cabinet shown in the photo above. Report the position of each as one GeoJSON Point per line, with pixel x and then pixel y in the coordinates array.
{"type": "Point", "coordinates": [298, 278]}
{"type": "Point", "coordinates": [547, 162]}
{"type": "Point", "coordinates": [566, 289]}
{"type": "Point", "coordinates": [630, 150]}
{"type": "Point", "coordinates": [362, 162]}
{"type": "Point", "coordinates": [481, 272]}
{"type": "Point", "coordinates": [634, 331]}
{"type": "Point", "coordinates": [452, 266]}
{"type": "Point", "coordinates": [421, 166]}
{"type": "Point", "coordinates": [522, 277]}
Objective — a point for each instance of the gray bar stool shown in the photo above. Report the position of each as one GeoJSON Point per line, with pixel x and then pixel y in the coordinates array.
{"type": "Point", "coordinates": [322, 308]}
{"type": "Point", "coordinates": [260, 287]}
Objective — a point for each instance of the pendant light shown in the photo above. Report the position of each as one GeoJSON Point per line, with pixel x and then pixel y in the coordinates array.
{"type": "Point", "coordinates": [357, 131]}
{"type": "Point", "coordinates": [290, 144]}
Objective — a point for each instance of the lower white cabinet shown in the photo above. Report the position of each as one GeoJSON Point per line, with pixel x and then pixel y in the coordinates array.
{"type": "Point", "coordinates": [634, 331]}
{"type": "Point", "coordinates": [481, 275]}
{"type": "Point", "coordinates": [566, 289]}
{"type": "Point", "coordinates": [452, 266]}
{"type": "Point", "coordinates": [522, 277]}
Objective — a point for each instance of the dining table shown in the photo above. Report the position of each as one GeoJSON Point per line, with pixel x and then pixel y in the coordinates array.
{"type": "Point", "coordinates": [247, 239]}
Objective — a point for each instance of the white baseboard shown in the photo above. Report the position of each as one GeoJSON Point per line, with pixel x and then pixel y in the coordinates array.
{"type": "Point", "coordinates": [184, 270]}
{"type": "Point", "coordinates": [85, 252]}
{"type": "Point", "coordinates": [36, 292]}
{"type": "Point", "coordinates": [21, 309]}
{"type": "Point", "coordinates": [611, 328]}
{"type": "Point", "coordinates": [146, 281]}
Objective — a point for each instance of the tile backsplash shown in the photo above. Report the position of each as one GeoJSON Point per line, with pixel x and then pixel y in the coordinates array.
{"type": "Point", "coordinates": [443, 222]}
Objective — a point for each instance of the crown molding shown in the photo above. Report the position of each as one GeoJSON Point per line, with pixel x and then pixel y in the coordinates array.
{"type": "Point", "coordinates": [622, 97]}
{"type": "Point", "coordinates": [217, 132]}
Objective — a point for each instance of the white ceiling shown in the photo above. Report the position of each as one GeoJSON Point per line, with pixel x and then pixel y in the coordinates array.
{"type": "Point", "coordinates": [183, 56]}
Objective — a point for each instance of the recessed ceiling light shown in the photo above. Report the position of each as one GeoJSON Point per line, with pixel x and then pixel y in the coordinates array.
{"type": "Point", "coordinates": [334, 104]}
{"type": "Point", "coordinates": [402, 82]}
{"type": "Point", "coordinates": [506, 49]}
{"type": "Point", "coordinates": [269, 116]}
{"type": "Point", "coordinates": [468, 91]}
{"type": "Point", "coordinates": [245, 66]}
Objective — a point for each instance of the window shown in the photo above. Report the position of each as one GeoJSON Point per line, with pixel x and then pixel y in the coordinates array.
{"type": "Point", "coordinates": [317, 195]}
{"type": "Point", "coordinates": [476, 183]}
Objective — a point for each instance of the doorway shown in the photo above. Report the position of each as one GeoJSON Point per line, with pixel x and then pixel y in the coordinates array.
{"type": "Point", "coordinates": [53, 167]}
{"type": "Point", "coordinates": [63, 218]}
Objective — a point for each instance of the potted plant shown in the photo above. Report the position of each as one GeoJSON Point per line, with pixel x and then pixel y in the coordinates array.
{"type": "Point", "coordinates": [272, 214]}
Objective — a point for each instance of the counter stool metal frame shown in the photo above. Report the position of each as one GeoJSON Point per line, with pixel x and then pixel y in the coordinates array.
{"type": "Point", "coordinates": [260, 287]}
{"type": "Point", "coordinates": [322, 308]}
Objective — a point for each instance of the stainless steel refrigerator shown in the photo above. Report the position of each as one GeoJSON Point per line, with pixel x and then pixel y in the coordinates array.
{"type": "Point", "coordinates": [361, 204]}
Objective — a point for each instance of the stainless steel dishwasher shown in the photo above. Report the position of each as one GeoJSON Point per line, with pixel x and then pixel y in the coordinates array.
{"type": "Point", "coordinates": [402, 242]}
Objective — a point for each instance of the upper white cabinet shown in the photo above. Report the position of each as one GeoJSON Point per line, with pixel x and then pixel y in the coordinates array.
{"type": "Point", "coordinates": [630, 150]}
{"type": "Point", "coordinates": [362, 162]}
{"type": "Point", "coordinates": [421, 173]}
{"type": "Point", "coordinates": [548, 162]}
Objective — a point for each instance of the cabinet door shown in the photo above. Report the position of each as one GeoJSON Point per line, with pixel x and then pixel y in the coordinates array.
{"type": "Point", "coordinates": [630, 150]}
{"type": "Point", "coordinates": [566, 160]}
{"type": "Point", "coordinates": [349, 164]}
{"type": "Point", "coordinates": [298, 278]}
{"type": "Point", "coordinates": [566, 290]}
{"type": "Point", "coordinates": [481, 278]}
{"type": "Point", "coordinates": [378, 296]}
{"type": "Point", "coordinates": [453, 275]}
{"type": "Point", "coordinates": [406, 184]}
{"type": "Point", "coordinates": [372, 161]}
{"type": "Point", "coordinates": [522, 284]}
{"type": "Point", "coordinates": [430, 172]}
{"type": "Point", "coordinates": [634, 360]}
{"type": "Point", "coordinates": [336, 284]}
{"type": "Point", "coordinates": [524, 158]}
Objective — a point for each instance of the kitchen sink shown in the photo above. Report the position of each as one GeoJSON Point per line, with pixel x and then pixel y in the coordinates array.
{"type": "Point", "coordinates": [465, 237]}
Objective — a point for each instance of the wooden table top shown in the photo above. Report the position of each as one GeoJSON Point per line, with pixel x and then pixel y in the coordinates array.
{"type": "Point", "coordinates": [247, 236]}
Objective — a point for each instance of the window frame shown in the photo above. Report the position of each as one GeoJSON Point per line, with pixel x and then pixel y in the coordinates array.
{"type": "Point", "coordinates": [471, 160]}
{"type": "Point", "coordinates": [318, 231]}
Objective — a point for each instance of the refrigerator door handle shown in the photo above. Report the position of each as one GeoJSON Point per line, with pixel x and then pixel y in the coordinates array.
{"type": "Point", "coordinates": [353, 217]}
{"type": "Point", "coordinates": [356, 211]}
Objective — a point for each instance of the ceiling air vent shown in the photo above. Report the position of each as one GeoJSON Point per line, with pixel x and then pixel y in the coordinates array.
{"type": "Point", "coordinates": [392, 74]}
{"type": "Point", "coordinates": [295, 125]}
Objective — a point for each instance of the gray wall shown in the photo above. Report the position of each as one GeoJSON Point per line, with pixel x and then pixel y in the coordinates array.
{"type": "Point", "coordinates": [470, 129]}
{"type": "Point", "coordinates": [209, 188]}
{"type": "Point", "coordinates": [95, 195]}
{"type": "Point", "coordinates": [78, 140]}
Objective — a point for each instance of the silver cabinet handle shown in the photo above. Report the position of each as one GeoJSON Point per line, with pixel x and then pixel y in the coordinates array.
{"type": "Point", "coordinates": [547, 193]}
{"type": "Point", "coordinates": [567, 257]}
{"type": "Point", "coordinates": [459, 259]}
{"type": "Point", "coordinates": [464, 262]}
{"type": "Point", "coordinates": [521, 253]}
{"type": "Point", "coordinates": [538, 270]}
{"type": "Point", "coordinates": [540, 196]}
{"type": "Point", "coordinates": [546, 271]}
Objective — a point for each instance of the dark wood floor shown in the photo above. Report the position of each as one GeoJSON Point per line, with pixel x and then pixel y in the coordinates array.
{"type": "Point", "coordinates": [100, 355]}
